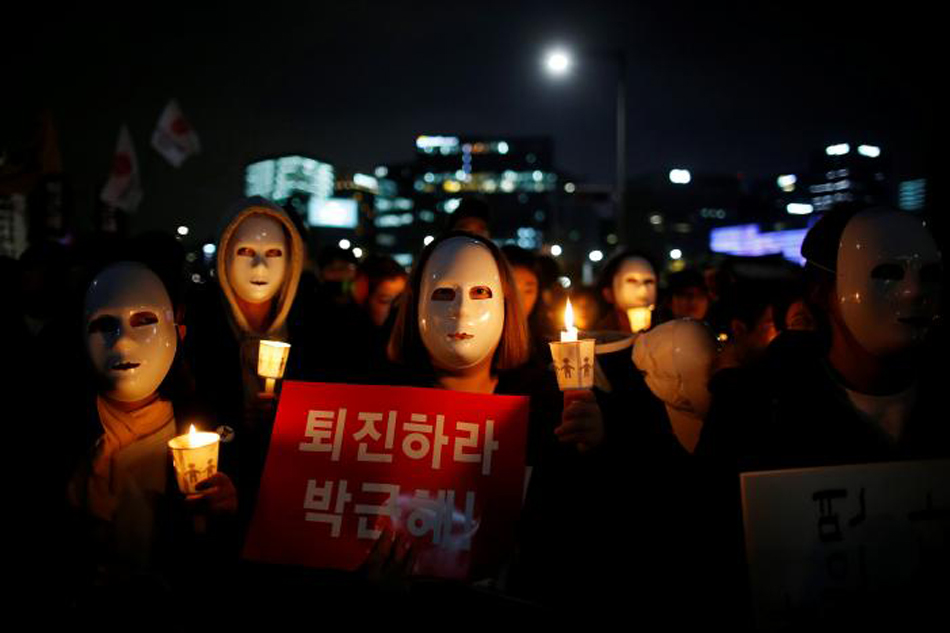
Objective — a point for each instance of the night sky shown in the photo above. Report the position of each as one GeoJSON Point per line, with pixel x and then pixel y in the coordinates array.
{"type": "Point", "coordinates": [747, 87]}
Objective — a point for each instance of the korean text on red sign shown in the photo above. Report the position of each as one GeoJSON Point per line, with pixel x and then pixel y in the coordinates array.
{"type": "Point", "coordinates": [346, 461]}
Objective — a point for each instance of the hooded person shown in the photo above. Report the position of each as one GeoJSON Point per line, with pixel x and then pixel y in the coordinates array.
{"type": "Point", "coordinates": [676, 358]}
{"type": "Point", "coordinates": [628, 284]}
{"type": "Point", "coordinates": [259, 262]}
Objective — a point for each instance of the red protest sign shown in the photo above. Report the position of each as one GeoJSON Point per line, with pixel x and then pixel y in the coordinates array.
{"type": "Point", "coordinates": [345, 461]}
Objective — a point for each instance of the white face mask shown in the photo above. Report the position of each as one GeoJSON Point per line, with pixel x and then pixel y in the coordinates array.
{"type": "Point", "coordinates": [634, 284]}
{"type": "Point", "coordinates": [888, 281]}
{"type": "Point", "coordinates": [130, 331]}
{"type": "Point", "coordinates": [461, 304]}
{"type": "Point", "coordinates": [257, 258]}
{"type": "Point", "coordinates": [676, 358]}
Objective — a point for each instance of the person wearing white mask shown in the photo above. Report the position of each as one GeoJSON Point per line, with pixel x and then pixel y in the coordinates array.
{"type": "Point", "coordinates": [460, 327]}
{"type": "Point", "coordinates": [865, 387]}
{"type": "Point", "coordinates": [259, 258]}
{"type": "Point", "coordinates": [857, 391]}
{"type": "Point", "coordinates": [628, 284]}
{"type": "Point", "coordinates": [122, 491]}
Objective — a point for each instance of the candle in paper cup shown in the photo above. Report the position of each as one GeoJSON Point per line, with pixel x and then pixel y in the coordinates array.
{"type": "Point", "coordinates": [195, 455]}
{"type": "Point", "coordinates": [640, 318]}
{"type": "Point", "coordinates": [271, 362]}
{"type": "Point", "coordinates": [573, 358]}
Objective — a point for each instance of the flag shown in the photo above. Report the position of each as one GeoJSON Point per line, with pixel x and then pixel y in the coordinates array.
{"type": "Point", "coordinates": [123, 190]}
{"type": "Point", "coordinates": [173, 137]}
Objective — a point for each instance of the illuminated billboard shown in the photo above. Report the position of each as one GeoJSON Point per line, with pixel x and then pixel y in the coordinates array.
{"type": "Point", "coordinates": [278, 178]}
{"type": "Point", "coordinates": [749, 241]}
{"type": "Point", "coordinates": [333, 212]}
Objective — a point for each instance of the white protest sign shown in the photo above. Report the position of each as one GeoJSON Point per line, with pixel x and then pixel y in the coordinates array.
{"type": "Point", "coordinates": [822, 541]}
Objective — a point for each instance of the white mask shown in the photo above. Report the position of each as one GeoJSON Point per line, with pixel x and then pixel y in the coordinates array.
{"type": "Point", "coordinates": [130, 331]}
{"type": "Point", "coordinates": [634, 284]}
{"type": "Point", "coordinates": [257, 258]}
{"type": "Point", "coordinates": [887, 281]}
{"type": "Point", "coordinates": [461, 304]}
{"type": "Point", "coordinates": [676, 358]}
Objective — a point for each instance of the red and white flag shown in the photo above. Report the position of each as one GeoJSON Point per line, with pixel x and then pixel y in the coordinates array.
{"type": "Point", "coordinates": [173, 137]}
{"type": "Point", "coordinates": [123, 190]}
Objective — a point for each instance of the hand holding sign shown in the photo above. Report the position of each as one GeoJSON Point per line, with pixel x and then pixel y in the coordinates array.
{"type": "Point", "coordinates": [581, 422]}
{"type": "Point", "coordinates": [390, 562]}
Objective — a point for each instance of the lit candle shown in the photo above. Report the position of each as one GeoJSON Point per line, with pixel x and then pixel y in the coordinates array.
{"type": "Point", "coordinates": [573, 358]}
{"type": "Point", "coordinates": [569, 335]}
{"type": "Point", "coordinates": [195, 455]}
{"type": "Point", "coordinates": [640, 318]}
{"type": "Point", "coordinates": [271, 361]}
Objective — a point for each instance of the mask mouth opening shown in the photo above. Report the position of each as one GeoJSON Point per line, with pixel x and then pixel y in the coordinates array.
{"type": "Point", "coordinates": [259, 283]}
{"type": "Point", "coordinates": [460, 336]}
{"type": "Point", "coordinates": [125, 365]}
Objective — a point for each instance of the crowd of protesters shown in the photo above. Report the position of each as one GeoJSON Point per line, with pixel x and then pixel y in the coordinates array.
{"type": "Point", "coordinates": [632, 505]}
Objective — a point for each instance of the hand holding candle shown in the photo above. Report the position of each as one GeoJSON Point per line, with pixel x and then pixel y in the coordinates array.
{"type": "Point", "coordinates": [195, 455]}
{"type": "Point", "coordinates": [573, 359]}
{"type": "Point", "coordinates": [271, 362]}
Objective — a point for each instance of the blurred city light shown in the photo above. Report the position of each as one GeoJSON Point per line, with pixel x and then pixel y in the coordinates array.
{"type": "Point", "coordinates": [209, 249]}
{"type": "Point", "coordinates": [871, 151]}
{"type": "Point", "coordinates": [656, 219]}
{"type": "Point", "coordinates": [595, 256]}
{"type": "Point", "coordinates": [427, 240]}
{"type": "Point", "coordinates": [787, 182]}
{"type": "Point", "coordinates": [680, 176]}
{"type": "Point", "coordinates": [558, 62]}
{"type": "Point", "coordinates": [183, 230]}
{"type": "Point", "coordinates": [569, 187]}
{"type": "Point", "coordinates": [345, 244]}
{"type": "Point", "coordinates": [676, 254]}
{"type": "Point", "coordinates": [556, 250]}
{"type": "Point", "coordinates": [357, 252]}
{"type": "Point", "coordinates": [565, 282]}
{"type": "Point", "coordinates": [799, 208]}
{"type": "Point", "coordinates": [502, 147]}
{"type": "Point", "coordinates": [452, 204]}
{"type": "Point", "coordinates": [381, 172]}
{"type": "Point", "coordinates": [838, 150]}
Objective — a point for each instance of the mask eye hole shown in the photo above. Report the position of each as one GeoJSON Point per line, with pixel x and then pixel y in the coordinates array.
{"type": "Point", "coordinates": [274, 252]}
{"type": "Point", "coordinates": [931, 274]}
{"type": "Point", "coordinates": [480, 292]}
{"type": "Point", "coordinates": [443, 294]}
{"type": "Point", "coordinates": [104, 324]}
{"type": "Point", "coordinates": [140, 319]}
{"type": "Point", "coordinates": [888, 272]}
{"type": "Point", "coordinates": [245, 251]}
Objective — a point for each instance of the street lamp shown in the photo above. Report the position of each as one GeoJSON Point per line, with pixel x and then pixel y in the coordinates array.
{"type": "Point", "coordinates": [558, 63]}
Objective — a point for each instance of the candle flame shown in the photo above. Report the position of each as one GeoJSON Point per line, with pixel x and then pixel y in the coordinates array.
{"type": "Point", "coordinates": [569, 316]}
{"type": "Point", "coordinates": [192, 432]}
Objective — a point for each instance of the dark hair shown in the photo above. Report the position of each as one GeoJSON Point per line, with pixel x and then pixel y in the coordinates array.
{"type": "Point", "coordinates": [332, 253]}
{"type": "Point", "coordinates": [405, 343]}
{"type": "Point", "coordinates": [683, 280]}
{"type": "Point", "coordinates": [377, 269]}
{"type": "Point", "coordinates": [747, 301]}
